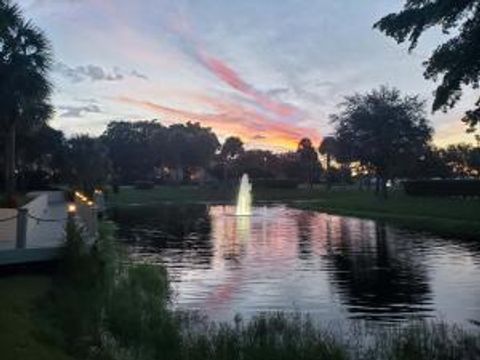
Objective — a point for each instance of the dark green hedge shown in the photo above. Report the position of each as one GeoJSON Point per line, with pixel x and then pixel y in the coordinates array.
{"type": "Point", "coordinates": [275, 183]}
{"type": "Point", "coordinates": [449, 187]}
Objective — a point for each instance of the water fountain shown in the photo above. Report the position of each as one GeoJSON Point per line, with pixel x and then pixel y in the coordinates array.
{"type": "Point", "coordinates": [244, 200]}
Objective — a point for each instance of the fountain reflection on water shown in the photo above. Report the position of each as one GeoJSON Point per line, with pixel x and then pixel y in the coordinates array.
{"type": "Point", "coordinates": [225, 260]}
{"type": "Point", "coordinates": [286, 259]}
{"type": "Point", "coordinates": [244, 199]}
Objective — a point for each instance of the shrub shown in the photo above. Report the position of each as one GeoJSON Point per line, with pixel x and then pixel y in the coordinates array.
{"type": "Point", "coordinates": [449, 187]}
{"type": "Point", "coordinates": [136, 314]}
{"type": "Point", "coordinates": [74, 307]}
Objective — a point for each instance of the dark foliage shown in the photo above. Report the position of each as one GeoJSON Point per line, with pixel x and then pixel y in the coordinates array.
{"type": "Point", "coordinates": [144, 150]}
{"type": "Point", "coordinates": [308, 160]}
{"type": "Point", "coordinates": [134, 148]}
{"type": "Point", "coordinates": [25, 58]}
{"type": "Point", "coordinates": [383, 131]}
{"type": "Point", "coordinates": [450, 187]}
{"type": "Point", "coordinates": [456, 61]}
{"type": "Point", "coordinates": [88, 164]}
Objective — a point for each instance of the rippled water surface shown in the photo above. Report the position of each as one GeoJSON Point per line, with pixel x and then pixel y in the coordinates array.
{"type": "Point", "coordinates": [280, 258]}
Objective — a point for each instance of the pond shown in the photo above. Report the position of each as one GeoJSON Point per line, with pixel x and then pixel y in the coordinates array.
{"type": "Point", "coordinates": [335, 268]}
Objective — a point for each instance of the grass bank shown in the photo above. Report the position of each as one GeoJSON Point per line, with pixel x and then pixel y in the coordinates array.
{"type": "Point", "coordinates": [20, 331]}
{"type": "Point", "coordinates": [453, 217]}
{"type": "Point", "coordinates": [443, 216]}
{"type": "Point", "coordinates": [131, 196]}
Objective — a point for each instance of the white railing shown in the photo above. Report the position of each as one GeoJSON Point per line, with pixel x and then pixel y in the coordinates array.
{"type": "Point", "coordinates": [36, 209]}
{"type": "Point", "coordinates": [86, 212]}
{"type": "Point", "coordinates": [8, 226]}
{"type": "Point", "coordinates": [17, 226]}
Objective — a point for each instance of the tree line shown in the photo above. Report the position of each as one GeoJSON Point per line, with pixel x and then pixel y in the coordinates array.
{"type": "Point", "coordinates": [364, 146]}
{"type": "Point", "coordinates": [128, 152]}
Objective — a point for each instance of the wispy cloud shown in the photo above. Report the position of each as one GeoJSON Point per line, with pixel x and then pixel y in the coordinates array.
{"type": "Point", "coordinates": [69, 111]}
{"type": "Point", "coordinates": [94, 73]}
{"type": "Point", "coordinates": [138, 74]}
{"type": "Point", "coordinates": [258, 137]}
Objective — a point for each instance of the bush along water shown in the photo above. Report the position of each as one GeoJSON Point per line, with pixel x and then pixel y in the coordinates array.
{"type": "Point", "coordinates": [104, 307]}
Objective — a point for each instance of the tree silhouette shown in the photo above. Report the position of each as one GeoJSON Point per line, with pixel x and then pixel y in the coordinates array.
{"type": "Point", "coordinates": [232, 148]}
{"type": "Point", "coordinates": [308, 160]}
{"type": "Point", "coordinates": [383, 130]}
{"type": "Point", "coordinates": [137, 149]}
{"type": "Point", "coordinates": [24, 88]}
{"type": "Point", "coordinates": [257, 163]}
{"type": "Point", "coordinates": [329, 147]}
{"type": "Point", "coordinates": [89, 164]}
{"type": "Point", "coordinates": [463, 159]}
{"type": "Point", "coordinates": [189, 146]}
{"type": "Point", "coordinates": [41, 158]}
{"type": "Point", "coordinates": [457, 60]}
{"type": "Point", "coordinates": [134, 148]}
{"type": "Point", "coordinates": [432, 164]}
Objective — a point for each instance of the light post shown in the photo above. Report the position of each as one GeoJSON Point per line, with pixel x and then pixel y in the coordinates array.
{"type": "Point", "coordinates": [71, 212]}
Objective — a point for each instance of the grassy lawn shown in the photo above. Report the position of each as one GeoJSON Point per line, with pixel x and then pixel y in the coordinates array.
{"type": "Point", "coordinates": [443, 216]}
{"type": "Point", "coordinates": [20, 336]}
{"type": "Point", "coordinates": [130, 196]}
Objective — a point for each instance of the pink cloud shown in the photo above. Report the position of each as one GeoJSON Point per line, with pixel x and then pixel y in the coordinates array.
{"type": "Point", "coordinates": [228, 75]}
{"type": "Point", "coordinates": [224, 72]}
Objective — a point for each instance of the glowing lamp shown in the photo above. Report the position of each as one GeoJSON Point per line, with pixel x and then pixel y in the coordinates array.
{"type": "Point", "coordinates": [72, 208]}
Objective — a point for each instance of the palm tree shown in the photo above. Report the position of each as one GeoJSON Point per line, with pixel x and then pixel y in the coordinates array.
{"type": "Point", "coordinates": [308, 158]}
{"type": "Point", "coordinates": [25, 59]}
{"type": "Point", "coordinates": [328, 147]}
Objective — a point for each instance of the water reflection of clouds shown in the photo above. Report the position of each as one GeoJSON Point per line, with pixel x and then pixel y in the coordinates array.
{"type": "Point", "coordinates": [331, 266]}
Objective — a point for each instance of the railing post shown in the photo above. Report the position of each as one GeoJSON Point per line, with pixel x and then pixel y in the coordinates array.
{"type": "Point", "coordinates": [22, 220]}
{"type": "Point", "coordinates": [94, 214]}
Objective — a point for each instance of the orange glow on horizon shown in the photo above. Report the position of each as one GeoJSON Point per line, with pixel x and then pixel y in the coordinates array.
{"type": "Point", "coordinates": [229, 119]}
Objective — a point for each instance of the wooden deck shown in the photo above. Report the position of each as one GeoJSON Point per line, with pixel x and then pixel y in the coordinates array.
{"type": "Point", "coordinates": [28, 256]}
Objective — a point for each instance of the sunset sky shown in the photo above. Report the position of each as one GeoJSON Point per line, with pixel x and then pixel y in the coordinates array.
{"type": "Point", "coordinates": [269, 71]}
